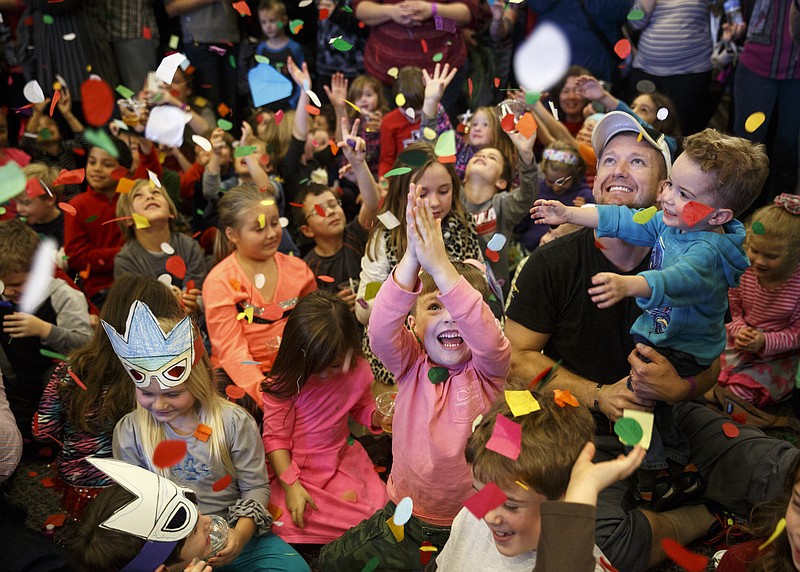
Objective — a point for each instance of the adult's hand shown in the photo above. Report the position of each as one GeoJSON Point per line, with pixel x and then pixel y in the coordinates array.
{"type": "Point", "coordinates": [654, 378]}
{"type": "Point", "coordinates": [615, 398]}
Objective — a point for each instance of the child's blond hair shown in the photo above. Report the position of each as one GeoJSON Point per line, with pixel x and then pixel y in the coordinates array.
{"type": "Point", "coordinates": [775, 221]}
{"type": "Point", "coordinates": [125, 209]}
{"type": "Point", "coordinates": [46, 175]}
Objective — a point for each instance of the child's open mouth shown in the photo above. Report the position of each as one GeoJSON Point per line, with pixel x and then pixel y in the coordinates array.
{"type": "Point", "coordinates": [451, 339]}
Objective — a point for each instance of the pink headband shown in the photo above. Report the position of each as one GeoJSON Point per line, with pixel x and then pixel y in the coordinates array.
{"type": "Point", "coordinates": [560, 156]}
{"type": "Point", "coordinates": [789, 201]}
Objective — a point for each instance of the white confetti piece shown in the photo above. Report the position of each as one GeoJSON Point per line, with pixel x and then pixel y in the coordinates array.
{"type": "Point", "coordinates": [260, 280]}
{"type": "Point", "coordinates": [41, 274]}
{"type": "Point", "coordinates": [167, 249]}
{"type": "Point", "coordinates": [389, 220]}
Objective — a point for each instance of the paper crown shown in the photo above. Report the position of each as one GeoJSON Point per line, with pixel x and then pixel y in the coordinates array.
{"type": "Point", "coordinates": [146, 351]}
{"type": "Point", "coordinates": [160, 514]}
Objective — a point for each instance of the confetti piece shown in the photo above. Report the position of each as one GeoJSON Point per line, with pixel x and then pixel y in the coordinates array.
{"type": "Point", "coordinates": [40, 276]}
{"type": "Point", "coordinates": [275, 511]}
{"type": "Point", "coordinates": [76, 379]}
{"type": "Point", "coordinates": [606, 565]}
{"type": "Point", "coordinates": [262, 220]}
{"type": "Point", "coordinates": [426, 551]}
{"type": "Point", "coordinates": [689, 561]}
{"type": "Point", "coordinates": [645, 421]}
{"type": "Point", "coordinates": [496, 82]}
{"type": "Point", "coordinates": [527, 125]}
{"type": "Point", "coordinates": [34, 188]}
{"type": "Point", "coordinates": [392, 72]}
{"type": "Point", "coordinates": [403, 511]}
{"type": "Point", "coordinates": [389, 220]}
{"type": "Point", "coordinates": [662, 113]}
{"type": "Point", "coordinates": [54, 102]}
{"type": "Point", "coordinates": [173, 42]}
{"type": "Point", "coordinates": [486, 499]}
{"type": "Point", "coordinates": [33, 474]}
{"type": "Point", "coordinates": [278, 117]}
{"type": "Point", "coordinates": [635, 15]}
{"type": "Point", "coordinates": [740, 418]}
{"type": "Point", "coordinates": [373, 563]}
{"type": "Point", "coordinates": [429, 134]}
{"type": "Point", "coordinates": [154, 182]}
{"type": "Point", "coordinates": [312, 110]}
{"type": "Point", "coordinates": [69, 37]}
{"type": "Point", "coordinates": [125, 185]}
{"type": "Point", "coordinates": [438, 375]}
{"type": "Point", "coordinates": [644, 215]}
{"type": "Point", "coordinates": [169, 453]}
{"type": "Point", "coordinates": [203, 432]}
{"type": "Point", "coordinates": [694, 212]}
{"type": "Point", "coordinates": [165, 279]}
{"type": "Point", "coordinates": [167, 249]}
{"type": "Point", "coordinates": [731, 431]}
{"type": "Point", "coordinates": [531, 97]}
{"type": "Point", "coordinates": [629, 431]}
{"type": "Point", "coordinates": [242, 8]}
{"type": "Point", "coordinates": [446, 144]}
{"type": "Point", "coordinates": [754, 121]}
{"type": "Point", "coordinates": [314, 98]}
{"type": "Point", "coordinates": [410, 113]}
{"type": "Point", "coordinates": [246, 314]}
{"type": "Point", "coordinates": [564, 397]}
{"type": "Point", "coordinates": [324, 13]}
{"type": "Point", "coordinates": [12, 181]}
{"type": "Point", "coordinates": [140, 221]}
{"type": "Point", "coordinates": [176, 266]}
{"type": "Point", "coordinates": [532, 70]}
{"type": "Point", "coordinates": [98, 102]}
{"type": "Point", "coordinates": [295, 26]}
{"type": "Point", "coordinates": [235, 392]}
{"type": "Point", "coordinates": [244, 150]}
{"type": "Point", "coordinates": [398, 530]}
{"type": "Point", "coordinates": [492, 255]}
{"type": "Point", "coordinates": [202, 142]}
{"type": "Point", "coordinates": [100, 138]}
{"type": "Point", "coordinates": [414, 158]}
{"type": "Point", "coordinates": [523, 485]}
{"type": "Point", "coordinates": [124, 91]}
{"type": "Point", "coordinates": [622, 48]}
{"type": "Point", "coordinates": [506, 438]}
{"type": "Point", "coordinates": [757, 228]}
{"type": "Point", "coordinates": [342, 45]}
{"type": "Point", "coordinates": [222, 483]}
{"type": "Point", "coordinates": [397, 172]}
{"type": "Point", "coordinates": [521, 402]}
{"type": "Point", "coordinates": [85, 272]}
{"type": "Point", "coordinates": [224, 124]}
{"type": "Point", "coordinates": [779, 528]}
{"type": "Point", "coordinates": [33, 92]}
{"type": "Point", "coordinates": [507, 123]}
{"type": "Point", "coordinates": [437, 57]}
{"type": "Point", "coordinates": [497, 242]}
{"type": "Point", "coordinates": [68, 208]}
{"type": "Point", "coordinates": [371, 290]}
{"type": "Point", "coordinates": [424, 45]}
{"type": "Point", "coordinates": [260, 280]}
{"type": "Point", "coordinates": [74, 177]}
{"type": "Point", "coordinates": [168, 66]}
{"type": "Point", "coordinates": [48, 482]}
{"type": "Point", "coordinates": [400, 100]}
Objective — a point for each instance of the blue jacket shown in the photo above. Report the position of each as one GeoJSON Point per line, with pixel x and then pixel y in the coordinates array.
{"type": "Point", "coordinates": [690, 275]}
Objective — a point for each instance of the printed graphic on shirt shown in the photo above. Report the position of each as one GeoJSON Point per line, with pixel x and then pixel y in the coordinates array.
{"type": "Point", "coordinates": [416, 135]}
{"type": "Point", "coordinates": [469, 400]}
{"type": "Point", "coordinates": [659, 316]}
{"type": "Point", "coordinates": [190, 469]}
{"type": "Point", "coordinates": [485, 221]}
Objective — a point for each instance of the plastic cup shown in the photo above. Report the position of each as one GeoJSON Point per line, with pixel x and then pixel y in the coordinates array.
{"type": "Point", "coordinates": [384, 403]}
{"type": "Point", "coordinates": [218, 534]}
{"type": "Point", "coordinates": [131, 111]}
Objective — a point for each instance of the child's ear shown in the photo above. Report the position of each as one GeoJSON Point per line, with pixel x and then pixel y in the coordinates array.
{"type": "Point", "coordinates": [501, 184]}
{"type": "Point", "coordinates": [720, 217]}
{"type": "Point", "coordinates": [306, 230]}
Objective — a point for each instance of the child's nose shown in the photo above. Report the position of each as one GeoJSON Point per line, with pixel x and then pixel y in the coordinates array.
{"type": "Point", "coordinates": [493, 517]}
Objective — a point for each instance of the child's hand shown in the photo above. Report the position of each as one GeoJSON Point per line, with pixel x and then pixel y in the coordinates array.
{"type": "Point", "coordinates": [217, 140]}
{"type": "Point", "coordinates": [590, 88]}
{"type": "Point", "coordinates": [609, 289]}
{"type": "Point", "coordinates": [247, 133]}
{"type": "Point", "coordinates": [588, 479]}
{"type": "Point", "coordinates": [523, 144]}
{"type": "Point", "coordinates": [296, 498]}
{"type": "Point", "coordinates": [202, 157]}
{"type": "Point", "coordinates": [19, 325]}
{"type": "Point", "coordinates": [428, 239]}
{"type": "Point", "coordinates": [337, 92]}
{"type": "Point", "coordinates": [190, 300]}
{"type": "Point", "coordinates": [578, 201]}
{"type": "Point", "coordinates": [549, 212]}
{"type": "Point", "coordinates": [42, 107]}
{"type": "Point", "coordinates": [301, 76]}
{"type": "Point", "coordinates": [349, 297]}
{"type": "Point", "coordinates": [233, 547]}
{"type": "Point", "coordinates": [749, 340]}
{"type": "Point", "coordinates": [436, 84]}
{"type": "Point", "coordinates": [65, 103]}
{"type": "Point", "coordinates": [353, 146]}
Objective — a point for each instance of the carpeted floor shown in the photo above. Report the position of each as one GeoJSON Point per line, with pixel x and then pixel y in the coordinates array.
{"type": "Point", "coordinates": [29, 491]}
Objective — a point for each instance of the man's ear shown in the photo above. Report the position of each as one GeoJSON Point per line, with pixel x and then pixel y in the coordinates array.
{"type": "Point", "coordinates": [501, 184]}
{"type": "Point", "coordinates": [306, 230]}
{"type": "Point", "coordinates": [720, 217]}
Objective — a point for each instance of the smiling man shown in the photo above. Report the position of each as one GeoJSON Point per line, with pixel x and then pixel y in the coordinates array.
{"type": "Point", "coordinates": [552, 317]}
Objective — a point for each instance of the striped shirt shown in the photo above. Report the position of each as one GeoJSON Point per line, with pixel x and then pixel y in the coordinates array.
{"type": "Point", "coordinates": [775, 312]}
{"type": "Point", "coordinates": [676, 38]}
{"type": "Point", "coordinates": [768, 49]}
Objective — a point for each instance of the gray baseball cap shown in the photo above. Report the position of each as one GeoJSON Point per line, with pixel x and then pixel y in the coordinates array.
{"type": "Point", "coordinates": [617, 122]}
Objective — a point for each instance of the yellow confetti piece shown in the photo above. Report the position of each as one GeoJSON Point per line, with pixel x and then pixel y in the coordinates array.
{"type": "Point", "coordinates": [248, 314]}
{"type": "Point", "coordinates": [778, 530]}
{"type": "Point", "coordinates": [428, 549]}
{"type": "Point", "coordinates": [397, 529]}
{"type": "Point", "coordinates": [262, 220]}
{"type": "Point", "coordinates": [641, 134]}
{"type": "Point", "coordinates": [140, 221]}
{"type": "Point", "coordinates": [644, 215]}
{"type": "Point", "coordinates": [392, 72]}
{"type": "Point", "coordinates": [353, 105]}
{"type": "Point", "coordinates": [429, 134]}
{"type": "Point", "coordinates": [523, 485]}
{"type": "Point", "coordinates": [521, 402]}
{"type": "Point", "coordinates": [754, 122]}
{"type": "Point", "coordinates": [267, 203]}
{"type": "Point", "coordinates": [400, 99]}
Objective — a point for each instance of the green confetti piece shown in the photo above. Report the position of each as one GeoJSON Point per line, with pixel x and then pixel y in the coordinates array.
{"type": "Point", "coordinates": [279, 65]}
{"type": "Point", "coordinates": [303, 181]}
{"type": "Point", "coordinates": [347, 9]}
{"type": "Point", "coordinates": [157, 97]}
{"type": "Point", "coordinates": [350, 440]}
{"type": "Point", "coordinates": [224, 124]}
{"type": "Point", "coordinates": [295, 26]}
{"type": "Point", "coordinates": [2, 210]}
{"type": "Point", "coordinates": [398, 171]}
{"type": "Point", "coordinates": [372, 564]}
{"type": "Point", "coordinates": [45, 134]}
{"type": "Point", "coordinates": [635, 15]}
{"type": "Point", "coordinates": [413, 158]}
{"type": "Point", "coordinates": [437, 57]}
{"type": "Point", "coordinates": [124, 91]}
{"type": "Point", "coordinates": [232, 60]}
{"type": "Point", "coordinates": [100, 138]}
{"type": "Point", "coordinates": [372, 290]}
{"type": "Point", "coordinates": [47, 19]}
{"type": "Point", "coordinates": [53, 355]}
{"type": "Point", "coordinates": [531, 97]}
{"type": "Point", "coordinates": [262, 59]}
{"type": "Point", "coordinates": [644, 215]}
{"type": "Point", "coordinates": [91, 218]}
{"type": "Point", "coordinates": [342, 45]}
{"type": "Point", "coordinates": [438, 374]}
{"type": "Point", "coordinates": [446, 144]}
{"type": "Point", "coordinates": [757, 228]}
{"type": "Point", "coordinates": [244, 150]}
{"type": "Point", "coordinates": [629, 431]}
{"type": "Point", "coordinates": [200, 211]}
{"type": "Point", "coordinates": [173, 41]}
{"type": "Point", "coordinates": [492, 298]}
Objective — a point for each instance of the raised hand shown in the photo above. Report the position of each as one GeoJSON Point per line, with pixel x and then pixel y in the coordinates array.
{"type": "Point", "coordinates": [353, 146]}
{"type": "Point", "coordinates": [301, 76]}
{"type": "Point", "coordinates": [337, 92]}
{"type": "Point", "coordinates": [436, 83]}
{"type": "Point", "coordinates": [588, 479]}
{"type": "Point", "coordinates": [549, 212]}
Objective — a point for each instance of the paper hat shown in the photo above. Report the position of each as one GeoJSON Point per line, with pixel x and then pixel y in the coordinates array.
{"type": "Point", "coordinates": [160, 514]}
{"type": "Point", "coordinates": [146, 351]}
{"type": "Point", "coordinates": [617, 122]}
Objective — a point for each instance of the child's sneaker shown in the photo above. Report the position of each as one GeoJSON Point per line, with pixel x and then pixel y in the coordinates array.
{"type": "Point", "coordinates": [689, 482]}
{"type": "Point", "coordinates": [654, 488]}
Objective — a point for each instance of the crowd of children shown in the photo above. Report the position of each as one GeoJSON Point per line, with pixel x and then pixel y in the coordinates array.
{"type": "Point", "coordinates": [269, 284]}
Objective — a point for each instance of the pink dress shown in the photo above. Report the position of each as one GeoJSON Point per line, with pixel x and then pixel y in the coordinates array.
{"type": "Point", "coordinates": [337, 474]}
{"type": "Point", "coordinates": [768, 376]}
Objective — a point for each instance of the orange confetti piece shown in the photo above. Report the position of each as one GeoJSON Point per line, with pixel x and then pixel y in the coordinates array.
{"type": "Point", "coordinates": [730, 430]}
{"type": "Point", "coordinates": [469, 87]}
{"type": "Point", "coordinates": [334, 147]}
{"type": "Point", "coordinates": [235, 392]}
{"type": "Point", "coordinates": [169, 453]}
{"type": "Point", "coordinates": [496, 82]}
{"type": "Point", "coordinates": [695, 212]}
{"type": "Point", "coordinates": [85, 272]}
{"type": "Point", "coordinates": [275, 511]}
{"type": "Point", "coordinates": [56, 520]}
{"type": "Point", "coordinates": [324, 278]}
{"type": "Point", "coordinates": [527, 125]}
{"type": "Point", "coordinates": [379, 469]}
{"type": "Point", "coordinates": [222, 484]}
{"type": "Point", "coordinates": [76, 379]}
{"type": "Point", "coordinates": [74, 177]}
{"type": "Point", "coordinates": [68, 208]}
{"type": "Point", "coordinates": [312, 110]}
{"type": "Point", "coordinates": [33, 474]}
{"type": "Point", "coordinates": [56, 97]}
{"type": "Point", "coordinates": [125, 185]}
{"type": "Point", "coordinates": [223, 109]}
{"type": "Point", "coordinates": [444, 159]}
{"type": "Point", "coordinates": [622, 48]}
{"type": "Point", "coordinates": [48, 482]}
{"type": "Point", "coordinates": [242, 8]}
{"type": "Point", "coordinates": [350, 496]}
{"type": "Point", "coordinates": [564, 397]}
{"type": "Point", "coordinates": [202, 433]}
{"type": "Point", "coordinates": [235, 284]}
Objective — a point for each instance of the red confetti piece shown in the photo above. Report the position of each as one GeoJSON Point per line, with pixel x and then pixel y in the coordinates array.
{"type": "Point", "coordinates": [190, 285]}
{"type": "Point", "coordinates": [622, 48]}
{"type": "Point", "coordinates": [33, 474]}
{"type": "Point", "coordinates": [730, 430]}
{"type": "Point", "coordinates": [684, 558]}
{"type": "Point", "coordinates": [169, 453]}
{"type": "Point", "coordinates": [425, 555]}
{"type": "Point", "coordinates": [272, 312]}
{"type": "Point", "coordinates": [76, 379]}
{"type": "Point", "coordinates": [380, 469]}
{"type": "Point", "coordinates": [312, 110]}
{"type": "Point", "coordinates": [496, 82]}
{"type": "Point", "coordinates": [424, 45]}
{"type": "Point", "coordinates": [47, 451]}
{"type": "Point", "coordinates": [146, 33]}
{"type": "Point", "coordinates": [693, 212]}
{"type": "Point", "coordinates": [74, 177]}
{"type": "Point", "coordinates": [68, 208]}
{"type": "Point", "coordinates": [98, 102]}
{"type": "Point", "coordinates": [507, 123]}
{"type": "Point", "coordinates": [486, 499]}
{"type": "Point", "coordinates": [297, 205]}
{"type": "Point", "coordinates": [469, 86]}
{"type": "Point", "coordinates": [176, 266]}
{"type": "Point", "coordinates": [599, 245]}
{"type": "Point", "coordinates": [119, 173]}
{"type": "Point", "coordinates": [606, 565]}
{"type": "Point", "coordinates": [740, 418]}
{"type": "Point", "coordinates": [324, 14]}
{"type": "Point", "coordinates": [79, 151]}
{"type": "Point", "coordinates": [264, 160]}
{"type": "Point", "coordinates": [36, 422]}
{"type": "Point", "coordinates": [362, 25]}
{"type": "Point", "coordinates": [48, 482]}
{"type": "Point", "coordinates": [564, 397]}
{"type": "Point", "coordinates": [222, 484]}
{"type": "Point", "coordinates": [34, 188]}
{"type": "Point", "coordinates": [56, 520]}
{"type": "Point", "coordinates": [539, 377]}
{"type": "Point", "coordinates": [235, 392]}
{"type": "Point", "coordinates": [242, 8]}
{"type": "Point", "coordinates": [278, 117]}
{"type": "Point", "coordinates": [447, 159]}
{"type": "Point", "coordinates": [56, 97]}
{"type": "Point", "coordinates": [492, 255]}
{"type": "Point", "coordinates": [324, 278]}
{"type": "Point", "coordinates": [321, 212]}
{"type": "Point", "coordinates": [116, 219]}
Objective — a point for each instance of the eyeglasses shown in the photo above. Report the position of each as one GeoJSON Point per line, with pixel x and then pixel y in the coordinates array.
{"type": "Point", "coordinates": [326, 207]}
{"type": "Point", "coordinates": [560, 182]}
